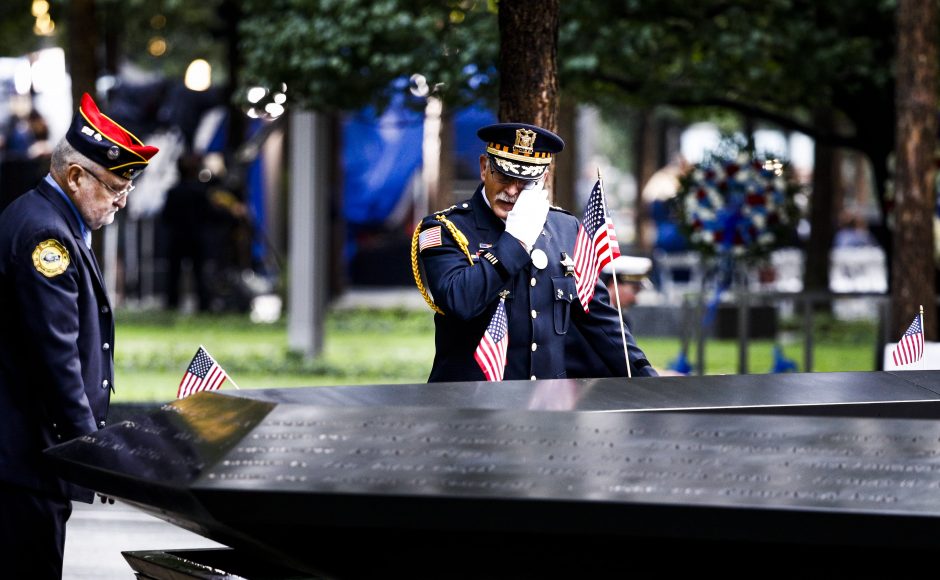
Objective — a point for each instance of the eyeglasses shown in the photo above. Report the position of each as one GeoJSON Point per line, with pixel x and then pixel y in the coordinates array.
{"type": "Point", "coordinates": [117, 194]}
{"type": "Point", "coordinates": [505, 181]}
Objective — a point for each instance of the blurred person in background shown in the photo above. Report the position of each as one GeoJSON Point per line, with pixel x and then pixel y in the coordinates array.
{"type": "Point", "coordinates": [186, 215]}
{"type": "Point", "coordinates": [26, 154]}
{"type": "Point", "coordinates": [632, 277]}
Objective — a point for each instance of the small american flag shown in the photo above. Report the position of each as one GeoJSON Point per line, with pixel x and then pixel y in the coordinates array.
{"type": "Point", "coordinates": [203, 374]}
{"type": "Point", "coordinates": [491, 352]}
{"type": "Point", "coordinates": [911, 346]}
{"type": "Point", "coordinates": [429, 238]}
{"type": "Point", "coordinates": [595, 246]}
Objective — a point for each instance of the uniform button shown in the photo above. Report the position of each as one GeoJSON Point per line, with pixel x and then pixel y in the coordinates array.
{"type": "Point", "coordinates": [101, 424]}
{"type": "Point", "coordinates": [532, 282]}
{"type": "Point", "coordinates": [104, 384]}
{"type": "Point", "coordinates": [560, 294]}
{"type": "Point", "coordinates": [105, 310]}
{"type": "Point", "coordinates": [466, 205]}
{"type": "Point", "coordinates": [533, 377]}
{"type": "Point", "coordinates": [105, 346]}
{"type": "Point", "coordinates": [535, 347]}
{"type": "Point", "coordinates": [535, 314]}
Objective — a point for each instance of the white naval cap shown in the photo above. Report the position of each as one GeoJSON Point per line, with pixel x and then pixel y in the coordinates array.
{"type": "Point", "coordinates": [629, 268]}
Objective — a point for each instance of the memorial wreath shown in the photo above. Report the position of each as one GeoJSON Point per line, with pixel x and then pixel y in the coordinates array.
{"type": "Point", "coordinates": [738, 206]}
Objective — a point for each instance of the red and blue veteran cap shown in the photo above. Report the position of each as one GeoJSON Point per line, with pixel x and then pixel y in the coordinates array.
{"type": "Point", "coordinates": [99, 138]}
{"type": "Point", "coordinates": [520, 151]}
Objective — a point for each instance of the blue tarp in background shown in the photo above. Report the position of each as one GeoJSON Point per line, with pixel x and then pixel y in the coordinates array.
{"type": "Point", "coordinates": [382, 153]}
{"type": "Point", "coordinates": [468, 146]}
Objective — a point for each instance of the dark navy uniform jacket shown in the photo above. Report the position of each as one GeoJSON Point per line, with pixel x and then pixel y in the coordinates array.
{"type": "Point", "coordinates": [56, 341]}
{"type": "Point", "coordinates": [542, 305]}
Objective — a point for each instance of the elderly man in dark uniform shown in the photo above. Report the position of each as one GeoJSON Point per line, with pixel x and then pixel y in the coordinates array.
{"type": "Point", "coordinates": [507, 242]}
{"type": "Point", "coordinates": [56, 331]}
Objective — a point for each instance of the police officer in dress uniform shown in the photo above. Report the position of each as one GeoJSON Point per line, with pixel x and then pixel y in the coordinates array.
{"type": "Point", "coordinates": [506, 241]}
{"type": "Point", "coordinates": [56, 332]}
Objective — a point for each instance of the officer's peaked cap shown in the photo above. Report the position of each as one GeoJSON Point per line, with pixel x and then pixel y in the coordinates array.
{"type": "Point", "coordinates": [519, 150]}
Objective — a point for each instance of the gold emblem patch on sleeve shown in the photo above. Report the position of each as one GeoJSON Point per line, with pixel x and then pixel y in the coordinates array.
{"type": "Point", "coordinates": [50, 258]}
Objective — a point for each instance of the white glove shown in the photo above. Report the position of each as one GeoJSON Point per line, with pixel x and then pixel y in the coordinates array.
{"type": "Point", "coordinates": [527, 217]}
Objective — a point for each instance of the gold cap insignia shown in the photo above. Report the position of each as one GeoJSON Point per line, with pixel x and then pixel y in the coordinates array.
{"type": "Point", "coordinates": [525, 140]}
{"type": "Point", "coordinates": [50, 258]}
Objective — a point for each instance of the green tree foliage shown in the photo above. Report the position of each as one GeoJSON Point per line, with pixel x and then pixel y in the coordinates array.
{"type": "Point", "coordinates": [187, 30]}
{"type": "Point", "coordinates": [16, 29]}
{"type": "Point", "coordinates": [343, 54]}
{"type": "Point", "coordinates": [776, 60]}
{"type": "Point", "coordinates": [770, 56]}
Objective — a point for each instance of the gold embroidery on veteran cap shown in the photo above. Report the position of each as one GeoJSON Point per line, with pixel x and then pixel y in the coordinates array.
{"type": "Point", "coordinates": [50, 258]}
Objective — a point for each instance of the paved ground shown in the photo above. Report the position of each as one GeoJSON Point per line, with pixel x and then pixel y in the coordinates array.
{"type": "Point", "coordinates": [97, 534]}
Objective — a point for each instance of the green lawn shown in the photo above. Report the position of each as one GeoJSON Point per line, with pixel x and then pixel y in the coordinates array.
{"type": "Point", "coordinates": [380, 347]}
{"type": "Point", "coordinates": [153, 350]}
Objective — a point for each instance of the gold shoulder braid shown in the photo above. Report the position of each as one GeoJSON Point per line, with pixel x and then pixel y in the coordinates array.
{"type": "Point", "coordinates": [458, 235]}
{"type": "Point", "coordinates": [416, 270]}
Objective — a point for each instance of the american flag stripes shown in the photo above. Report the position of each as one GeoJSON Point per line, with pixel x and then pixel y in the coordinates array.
{"type": "Point", "coordinates": [614, 244]}
{"type": "Point", "coordinates": [491, 352]}
{"type": "Point", "coordinates": [911, 346]}
{"type": "Point", "coordinates": [203, 374]}
{"type": "Point", "coordinates": [595, 246]}
{"type": "Point", "coordinates": [429, 238]}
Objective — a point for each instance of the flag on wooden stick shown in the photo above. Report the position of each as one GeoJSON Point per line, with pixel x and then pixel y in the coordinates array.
{"type": "Point", "coordinates": [203, 374]}
{"type": "Point", "coordinates": [911, 346]}
{"type": "Point", "coordinates": [491, 352]}
{"type": "Point", "coordinates": [595, 246]}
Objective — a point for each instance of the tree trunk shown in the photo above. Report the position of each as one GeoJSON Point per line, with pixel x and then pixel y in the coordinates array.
{"type": "Point", "coordinates": [82, 47]}
{"type": "Point", "coordinates": [231, 14]}
{"type": "Point", "coordinates": [566, 171]}
{"type": "Point", "coordinates": [822, 204]}
{"type": "Point", "coordinates": [446, 197]}
{"type": "Point", "coordinates": [916, 98]}
{"type": "Point", "coordinates": [648, 141]}
{"type": "Point", "coordinates": [528, 71]}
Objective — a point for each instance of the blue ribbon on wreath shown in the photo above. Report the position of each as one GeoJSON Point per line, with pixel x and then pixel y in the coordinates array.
{"type": "Point", "coordinates": [729, 220]}
{"type": "Point", "coordinates": [730, 205]}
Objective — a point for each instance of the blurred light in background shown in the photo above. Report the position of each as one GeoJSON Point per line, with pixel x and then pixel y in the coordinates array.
{"type": "Point", "coordinates": [40, 7]}
{"type": "Point", "coordinates": [255, 94]}
{"type": "Point", "coordinates": [198, 75]}
{"type": "Point", "coordinates": [48, 70]}
{"type": "Point", "coordinates": [156, 46]}
{"type": "Point", "coordinates": [264, 103]}
{"type": "Point", "coordinates": [418, 85]}
{"type": "Point", "coordinates": [44, 25]}
{"type": "Point", "coordinates": [22, 77]}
